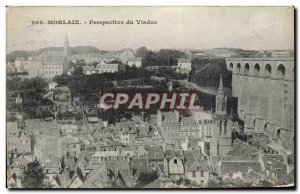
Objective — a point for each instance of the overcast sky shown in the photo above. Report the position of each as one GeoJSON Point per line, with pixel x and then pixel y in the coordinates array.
{"type": "Point", "coordinates": [259, 28]}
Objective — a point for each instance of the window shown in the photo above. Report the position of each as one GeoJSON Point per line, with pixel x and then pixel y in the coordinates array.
{"type": "Point", "coordinates": [202, 173]}
{"type": "Point", "coordinates": [202, 182]}
{"type": "Point", "coordinates": [278, 134]}
{"type": "Point", "coordinates": [194, 174]}
{"type": "Point", "coordinates": [175, 161]}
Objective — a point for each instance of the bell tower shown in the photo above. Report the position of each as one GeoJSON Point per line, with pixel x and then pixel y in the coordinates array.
{"type": "Point", "coordinates": [221, 99]}
{"type": "Point", "coordinates": [66, 46]}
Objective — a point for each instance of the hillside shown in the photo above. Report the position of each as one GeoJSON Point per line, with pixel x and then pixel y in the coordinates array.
{"type": "Point", "coordinates": [72, 51]}
{"type": "Point", "coordinates": [210, 75]}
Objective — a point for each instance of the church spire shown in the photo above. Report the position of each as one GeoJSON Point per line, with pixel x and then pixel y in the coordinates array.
{"type": "Point", "coordinates": [221, 87]}
{"type": "Point", "coordinates": [221, 99]}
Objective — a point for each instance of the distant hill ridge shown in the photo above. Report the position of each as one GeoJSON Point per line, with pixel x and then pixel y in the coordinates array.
{"type": "Point", "coordinates": [72, 51]}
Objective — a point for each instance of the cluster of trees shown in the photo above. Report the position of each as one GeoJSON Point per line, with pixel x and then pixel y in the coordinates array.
{"type": "Point", "coordinates": [78, 82]}
{"type": "Point", "coordinates": [12, 74]}
{"type": "Point", "coordinates": [17, 83]}
{"type": "Point", "coordinates": [164, 57]}
{"type": "Point", "coordinates": [33, 175]}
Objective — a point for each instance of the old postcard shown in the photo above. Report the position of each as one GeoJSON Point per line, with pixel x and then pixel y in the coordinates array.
{"type": "Point", "coordinates": [150, 97]}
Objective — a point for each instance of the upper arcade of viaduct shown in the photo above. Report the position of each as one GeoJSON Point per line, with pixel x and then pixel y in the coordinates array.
{"type": "Point", "coordinates": [274, 68]}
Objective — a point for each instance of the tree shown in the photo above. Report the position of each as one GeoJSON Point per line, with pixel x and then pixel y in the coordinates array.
{"type": "Point", "coordinates": [78, 71]}
{"type": "Point", "coordinates": [140, 52]}
{"type": "Point", "coordinates": [17, 83]}
{"type": "Point", "coordinates": [33, 175]}
{"type": "Point", "coordinates": [62, 80]}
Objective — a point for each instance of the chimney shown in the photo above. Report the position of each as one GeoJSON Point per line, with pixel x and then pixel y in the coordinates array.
{"type": "Point", "coordinates": [159, 118]}
{"type": "Point", "coordinates": [166, 167]}
{"type": "Point", "coordinates": [164, 147]}
{"type": "Point", "coordinates": [177, 115]}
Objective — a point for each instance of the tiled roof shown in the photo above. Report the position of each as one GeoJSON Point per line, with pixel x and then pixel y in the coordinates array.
{"type": "Point", "coordinates": [154, 184]}
{"type": "Point", "coordinates": [11, 127]}
{"type": "Point", "coordinates": [155, 153]}
{"type": "Point", "coordinates": [138, 163]}
{"type": "Point", "coordinates": [169, 116]}
{"type": "Point", "coordinates": [184, 60]}
{"type": "Point", "coordinates": [240, 166]}
{"type": "Point", "coordinates": [195, 161]}
{"type": "Point", "coordinates": [62, 180]}
{"type": "Point", "coordinates": [188, 121]}
{"type": "Point", "coordinates": [32, 124]}
{"type": "Point", "coordinates": [275, 163]}
{"type": "Point", "coordinates": [171, 153]}
{"type": "Point", "coordinates": [240, 148]}
{"type": "Point", "coordinates": [88, 68]}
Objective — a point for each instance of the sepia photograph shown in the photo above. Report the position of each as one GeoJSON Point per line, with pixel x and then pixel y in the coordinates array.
{"type": "Point", "coordinates": [150, 97]}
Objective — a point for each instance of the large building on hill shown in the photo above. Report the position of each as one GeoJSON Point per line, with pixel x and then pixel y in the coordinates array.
{"type": "Point", "coordinates": [48, 64]}
{"type": "Point", "coordinates": [56, 63]}
{"type": "Point", "coordinates": [265, 91]}
{"type": "Point", "coordinates": [103, 67]}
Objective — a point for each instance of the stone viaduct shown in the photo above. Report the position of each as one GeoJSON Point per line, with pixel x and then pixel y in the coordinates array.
{"type": "Point", "coordinates": [265, 91]}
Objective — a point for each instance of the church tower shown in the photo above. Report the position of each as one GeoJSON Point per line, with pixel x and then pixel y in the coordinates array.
{"type": "Point", "coordinates": [221, 99]}
{"type": "Point", "coordinates": [66, 46]}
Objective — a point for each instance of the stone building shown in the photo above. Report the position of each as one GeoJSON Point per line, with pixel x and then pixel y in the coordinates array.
{"type": "Point", "coordinates": [18, 139]}
{"type": "Point", "coordinates": [35, 67]}
{"type": "Point", "coordinates": [125, 55]}
{"type": "Point", "coordinates": [196, 168]}
{"type": "Point", "coordinates": [174, 163]}
{"type": "Point", "coordinates": [103, 67]}
{"type": "Point", "coordinates": [184, 65]}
